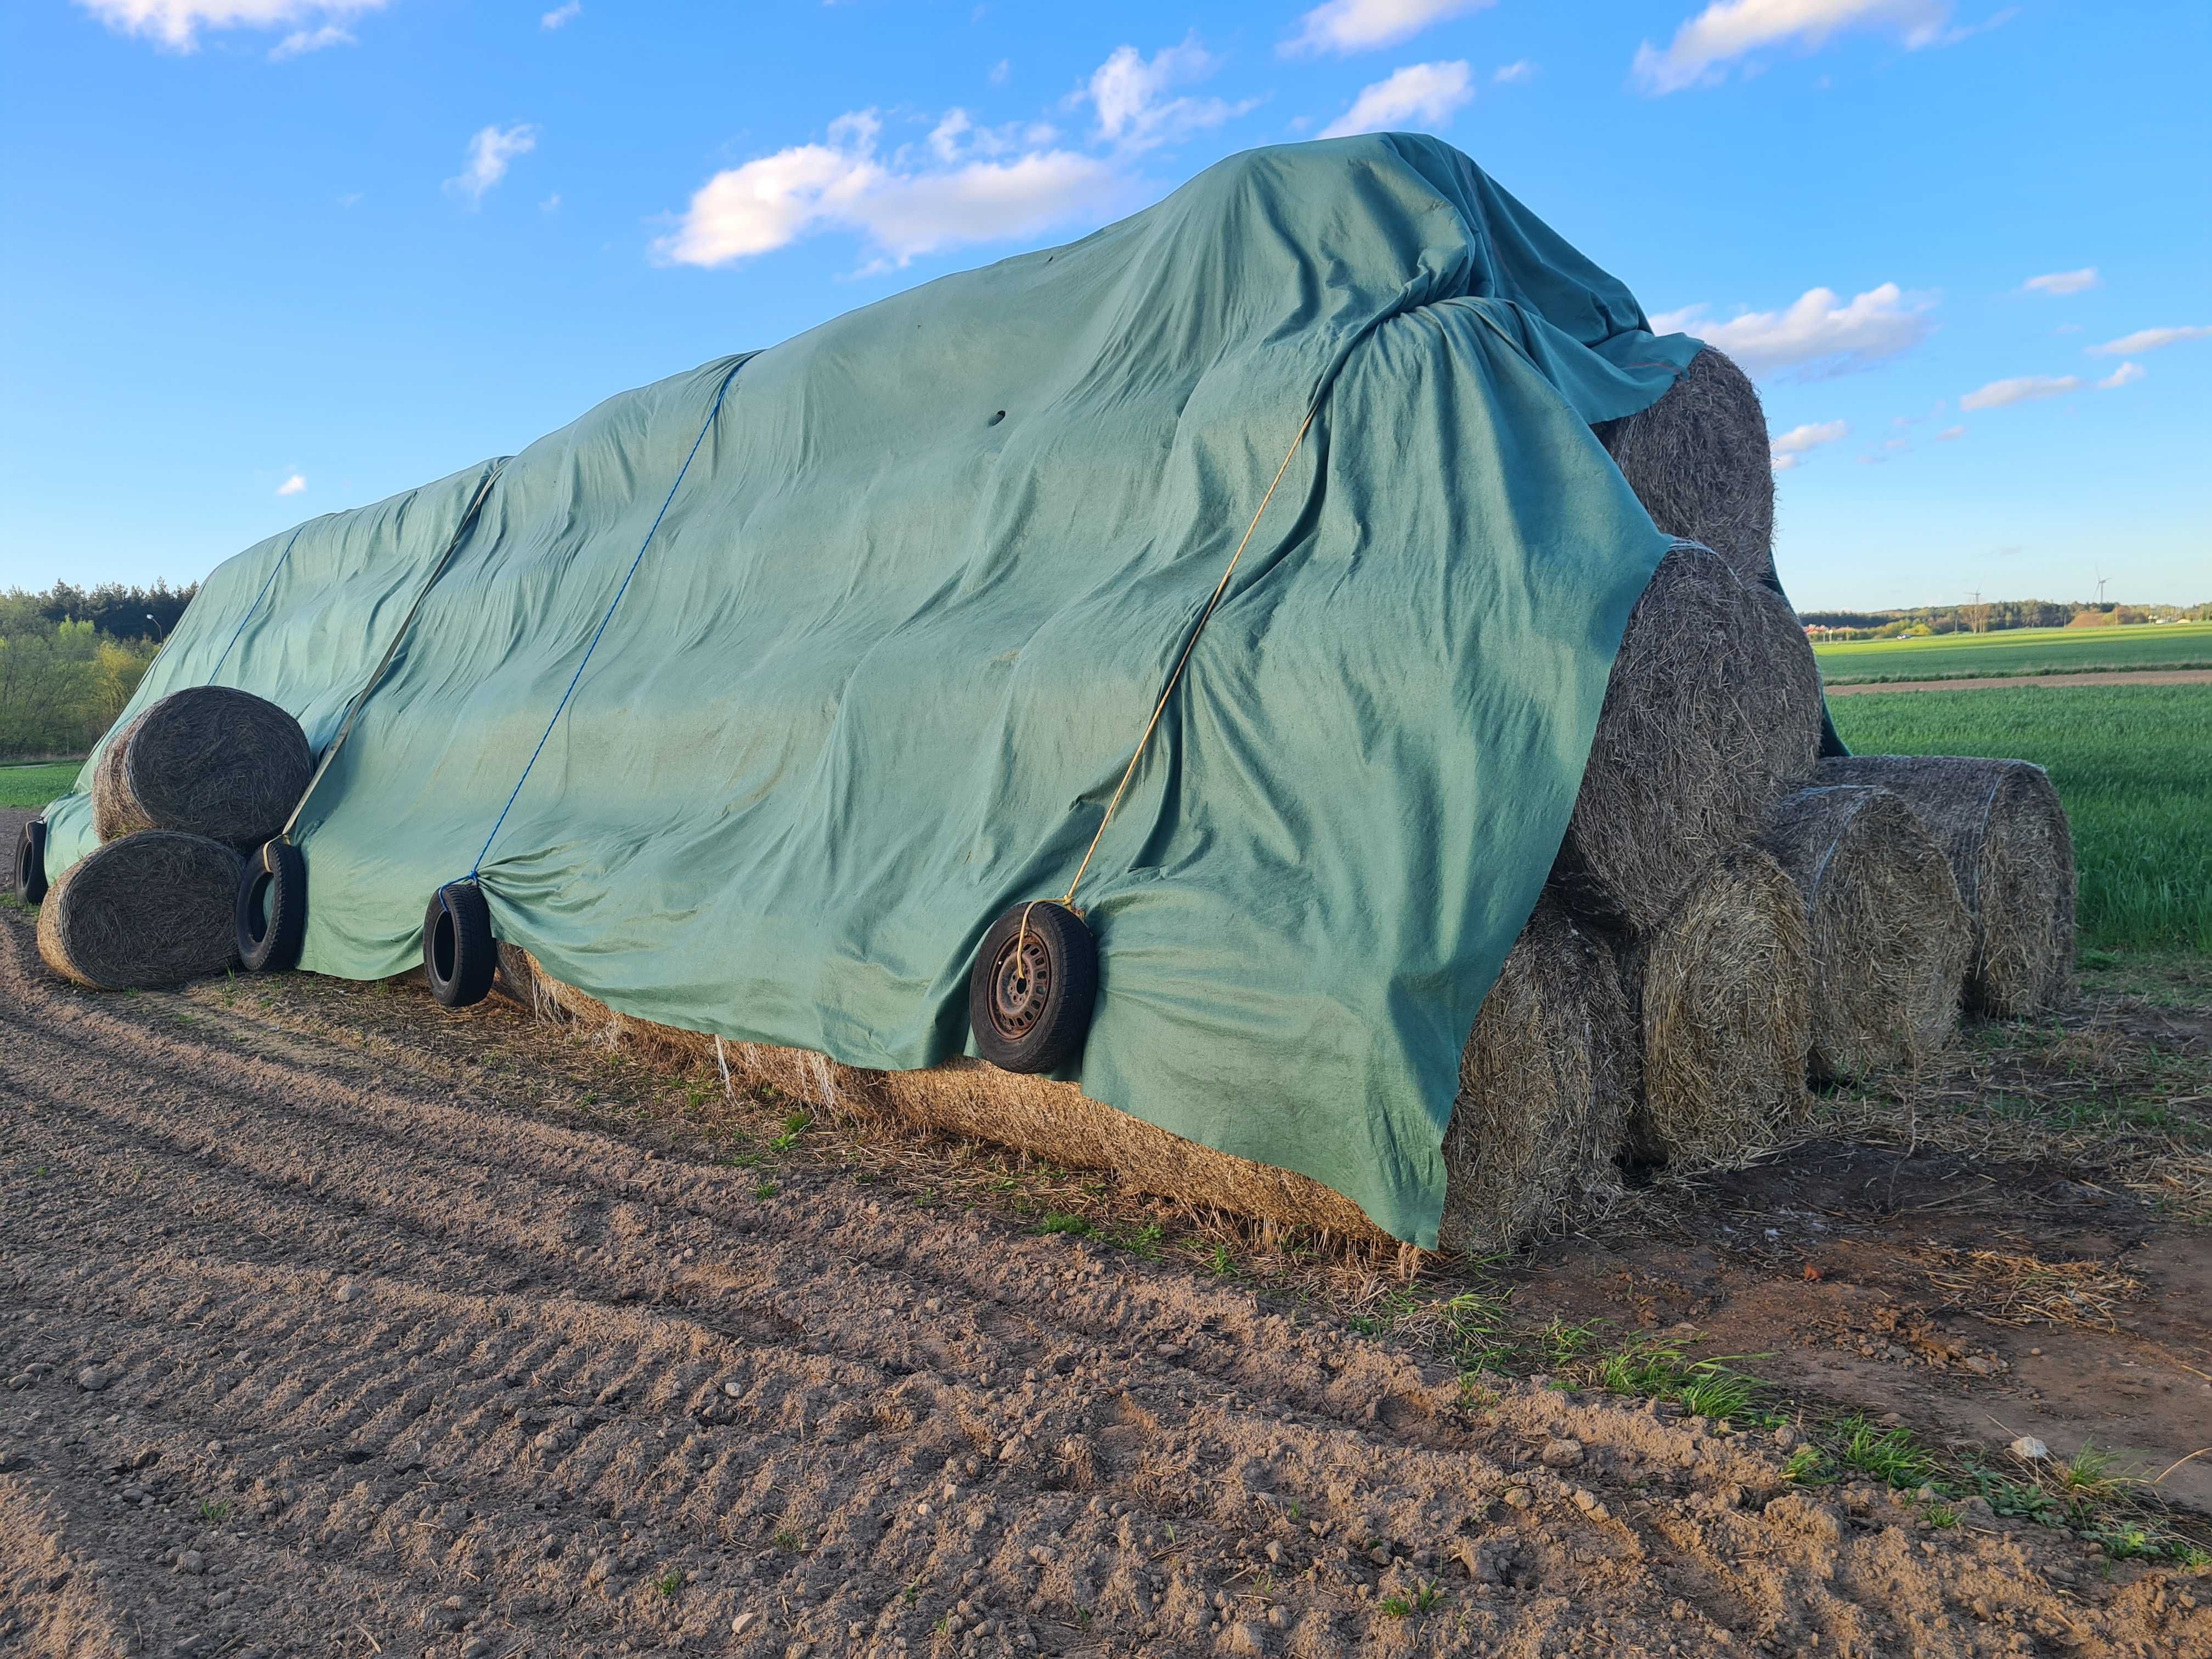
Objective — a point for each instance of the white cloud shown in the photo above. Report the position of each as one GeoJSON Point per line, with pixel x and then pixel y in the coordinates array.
{"type": "Point", "coordinates": [560, 15]}
{"type": "Point", "coordinates": [1950, 435]}
{"type": "Point", "coordinates": [551, 204]}
{"type": "Point", "coordinates": [490, 153]}
{"type": "Point", "coordinates": [1001, 71]}
{"type": "Point", "coordinates": [1419, 95]}
{"type": "Point", "coordinates": [2148, 340]}
{"type": "Point", "coordinates": [1792, 446]}
{"type": "Point", "coordinates": [2058, 284]}
{"type": "Point", "coordinates": [2020, 389]}
{"type": "Point", "coordinates": [906, 205]}
{"type": "Point", "coordinates": [177, 24]}
{"type": "Point", "coordinates": [292, 485]}
{"type": "Point", "coordinates": [1348, 26]}
{"type": "Point", "coordinates": [306, 41]}
{"type": "Point", "coordinates": [1703, 47]}
{"type": "Point", "coordinates": [1817, 335]}
{"type": "Point", "coordinates": [1129, 92]}
{"type": "Point", "coordinates": [2125, 374]}
{"type": "Point", "coordinates": [1523, 70]}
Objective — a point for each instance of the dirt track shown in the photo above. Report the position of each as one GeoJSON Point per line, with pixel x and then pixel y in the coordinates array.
{"type": "Point", "coordinates": [315, 1353]}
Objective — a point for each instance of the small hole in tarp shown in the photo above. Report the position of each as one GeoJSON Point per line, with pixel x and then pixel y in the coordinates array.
{"type": "Point", "coordinates": [996, 419]}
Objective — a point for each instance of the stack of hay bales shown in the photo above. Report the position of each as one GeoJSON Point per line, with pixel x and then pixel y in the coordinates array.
{"type": "Point", "coordinates": [1729, 915]}
{"type": "Point", "coordinates": [200, 776]}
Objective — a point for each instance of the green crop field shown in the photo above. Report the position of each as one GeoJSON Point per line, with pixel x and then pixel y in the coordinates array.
{"type": "Point", "coordinates": [2019, 651]}
{"type": "Point", "coordinates": [2132, 764]}
{"type": "Point", "coordinates": [35, 786]}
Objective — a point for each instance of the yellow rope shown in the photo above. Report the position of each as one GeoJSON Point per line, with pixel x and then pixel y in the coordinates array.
{"type": "Point", "coordinates": [1159, 707]}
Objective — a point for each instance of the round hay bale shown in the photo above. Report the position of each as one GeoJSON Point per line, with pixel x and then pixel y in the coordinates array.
{"type": "Point", "coordinates": [1722, 995]}
{"type": "Point", "coordinates": [1712, 716]}
{"type": "Point", "coordinates": [1889, 935]}
{"type": "Point", "coordinates": [207, 761]}
{"type": "Point", "coordinates": [1699, 460]}
{"type": "Point", "coordinates": [157, 908]}
{"type": "Point", "coordinates": [1544, 1088]}
{"type": "Point", "coordinates": [1999, 823]}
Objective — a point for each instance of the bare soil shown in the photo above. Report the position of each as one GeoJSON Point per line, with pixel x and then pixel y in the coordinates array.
{"type": "Point", "coordinates": [332, 1323]}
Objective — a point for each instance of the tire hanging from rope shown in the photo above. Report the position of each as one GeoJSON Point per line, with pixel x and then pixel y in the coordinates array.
{"type": "Point", "coordinates": [1034, 982]}
{"type": "Point", "coordinates": [457, 927]}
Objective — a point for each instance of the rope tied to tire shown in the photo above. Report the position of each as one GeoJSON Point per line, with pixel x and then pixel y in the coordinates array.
{"type": "Point", "coordinates": [1056, 985]}
{"type": "Point", "coordinates": [460, 953]}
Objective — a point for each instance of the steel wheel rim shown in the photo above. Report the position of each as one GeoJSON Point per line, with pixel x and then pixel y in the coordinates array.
{"type": "Point", "coordinates": [1021, 983]}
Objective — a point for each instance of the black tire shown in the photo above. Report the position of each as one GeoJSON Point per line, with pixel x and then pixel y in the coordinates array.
{"type": "Point", "coordinates": [1033, 988]}
{"type": "Point", "coordinates": [31, 862]}
{"type": "Point", "coordinates": [272, 908]}
{"type": "Point", "coordinates": [459, 955]}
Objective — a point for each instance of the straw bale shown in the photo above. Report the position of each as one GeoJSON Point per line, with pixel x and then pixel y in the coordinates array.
{"type": "Point", "coordinates": [208, 760]}
{"type": "Point", "coordinates": [157, 908]}
{"type": "Point", "coordinates": [1712, 716]}
{"type": "Point", "coordinates": [1999, 823]}
{"type": "Point", "coordinates": [1722, 995]}
{"type": "Point", "coordinates": [1544, 1090]}
{"type": "Point", "coordinates": [1890, 937]}
{"type": "Point", "coordinates": [1698, 461]}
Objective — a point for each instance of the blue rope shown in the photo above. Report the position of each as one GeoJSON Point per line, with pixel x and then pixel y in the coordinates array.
{"type": "Point", "coordinates": [478, 867]}
{"type": "Point", "coordinates": [255, 606]}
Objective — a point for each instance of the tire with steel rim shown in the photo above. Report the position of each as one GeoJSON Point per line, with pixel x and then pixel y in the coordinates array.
{"type": "Point", "coordinates": [1033, 988]}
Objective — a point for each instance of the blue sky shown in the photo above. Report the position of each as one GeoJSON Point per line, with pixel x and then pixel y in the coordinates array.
{"type": "Point", "coordinates": [264, 258]}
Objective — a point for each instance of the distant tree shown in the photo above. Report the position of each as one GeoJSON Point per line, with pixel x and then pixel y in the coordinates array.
{"type": "Point", "coordinates": [120, 612]}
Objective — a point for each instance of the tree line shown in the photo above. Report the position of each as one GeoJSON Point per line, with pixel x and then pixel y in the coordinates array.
{"type": "Point", "coordinates": [70, 659]}
{"type": "Point", "coordinates": [1988, 616]}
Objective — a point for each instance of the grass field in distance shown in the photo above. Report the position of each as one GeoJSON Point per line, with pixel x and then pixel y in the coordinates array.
{"type": "Point", "coordinates": [35, 786]}
{"type": "Point", "coordinates": [2131, 764]}
{"type": "Point", "coordinates": [2018, 651]}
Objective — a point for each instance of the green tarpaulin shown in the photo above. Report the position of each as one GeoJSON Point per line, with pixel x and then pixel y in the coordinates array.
{"type": "Point", "coordinates": [887, 651]}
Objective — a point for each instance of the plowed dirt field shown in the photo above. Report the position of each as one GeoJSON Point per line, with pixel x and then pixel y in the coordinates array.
{"type": "Point", "coordinates": [317, 1348]}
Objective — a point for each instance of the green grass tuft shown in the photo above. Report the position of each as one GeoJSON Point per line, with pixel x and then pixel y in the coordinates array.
{"type": "Point", "coordinates": [1888, 1454]}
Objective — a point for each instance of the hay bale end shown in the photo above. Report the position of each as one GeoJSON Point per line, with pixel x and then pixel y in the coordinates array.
{"type": "Point", "coordinates": [1723, 995]}
{"type": "Point", "coordinates": [1889, 935]}
{"type": "Point", "coordinates": [1712, 715]}
{"type": "Point", "coordinates": [156, 907]}
{"type": "Point", "coordinates": [206, 761]}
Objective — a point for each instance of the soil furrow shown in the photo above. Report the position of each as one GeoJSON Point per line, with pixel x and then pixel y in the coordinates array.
{"type": "Point", "coordinates": [309, 1355]}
